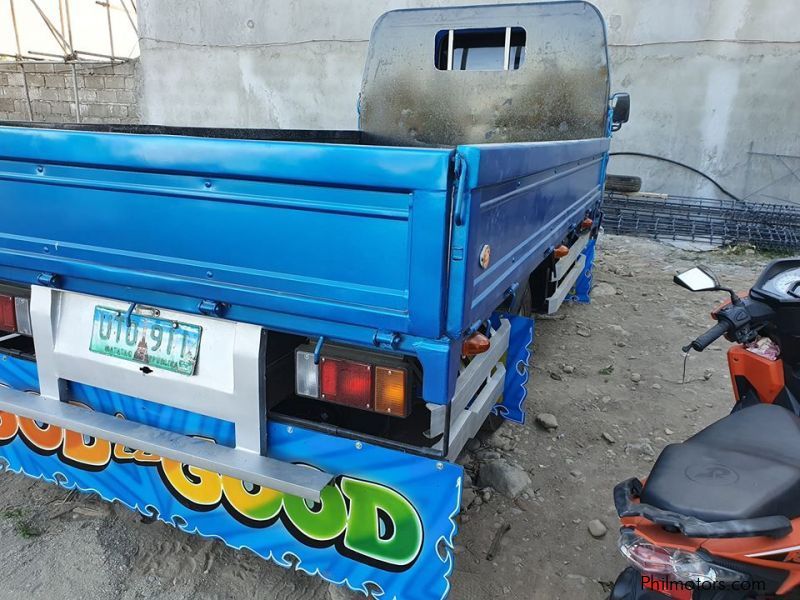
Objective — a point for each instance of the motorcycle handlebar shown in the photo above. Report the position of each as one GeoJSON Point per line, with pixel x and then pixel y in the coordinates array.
{"type": "Point", "coordinates": [705, 340]}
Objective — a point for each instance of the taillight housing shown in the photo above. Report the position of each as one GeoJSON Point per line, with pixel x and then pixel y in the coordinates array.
{"type": "Point", "coordinates": [357, 379]}
{"type": "Point", "coordinates": [8, 314]}
{"type": "Point", "coordinates": [673, 564]}
{"type": "Point", "coordinates": [15, 314]}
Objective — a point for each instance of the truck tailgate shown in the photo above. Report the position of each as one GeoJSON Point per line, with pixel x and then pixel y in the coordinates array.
{"type": "Point", "coordinates": [347, 233]}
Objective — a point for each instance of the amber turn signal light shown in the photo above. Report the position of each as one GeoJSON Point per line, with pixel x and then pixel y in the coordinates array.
{"type": "Point", "coordinates": [586, 224]}
{"type": "Point", "coordinates": [561, 251]}
{"type": "Point", "coordinates": [390, 392]}
{"type": "Point", "coordinates": [475, 344]}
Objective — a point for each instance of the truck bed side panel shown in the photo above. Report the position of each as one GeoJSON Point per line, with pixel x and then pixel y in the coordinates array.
{"type": "Point", "coordinates": [520, 200]}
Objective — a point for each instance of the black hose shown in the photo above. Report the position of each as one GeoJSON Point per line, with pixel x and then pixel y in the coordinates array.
{"type": "Point", "coordinates": [680, 164]}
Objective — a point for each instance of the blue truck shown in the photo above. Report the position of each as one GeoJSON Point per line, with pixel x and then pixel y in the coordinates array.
{"type": "Point", "coordinates": [284, 338]}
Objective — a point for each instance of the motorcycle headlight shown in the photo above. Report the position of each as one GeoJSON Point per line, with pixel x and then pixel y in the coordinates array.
{"type": "Point", "coordinates": [674, 564]}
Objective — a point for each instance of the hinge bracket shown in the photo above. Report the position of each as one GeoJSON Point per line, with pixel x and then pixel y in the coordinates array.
{"type": "Point", "coordinates": [386, 339]}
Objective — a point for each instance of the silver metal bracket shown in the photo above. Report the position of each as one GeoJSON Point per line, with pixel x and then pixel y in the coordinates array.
{"type": "Point", "coordinates": [478, 387]}
{"type": "Point", "coordinates": [228, 384]}
{"type": "Point", "coordinates": [555, 301]}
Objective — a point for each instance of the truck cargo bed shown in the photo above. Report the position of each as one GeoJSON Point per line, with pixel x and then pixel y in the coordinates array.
{"type": "Point", "coordinates": [376, 237]}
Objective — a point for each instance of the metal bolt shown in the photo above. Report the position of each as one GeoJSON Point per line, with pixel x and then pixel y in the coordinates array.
{"type": "Point", "coordinates": [207, 184]}
{"type": "Point", "coordinates": [439, 466]}
{"type": "Point", "coordinates": [290, 429]}
{"type": "Point", "coordinates": [359, 445]}
{"type": "Point", "coordinates": [40, 169]}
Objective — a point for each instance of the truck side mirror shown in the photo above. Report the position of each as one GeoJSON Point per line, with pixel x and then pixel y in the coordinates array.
{"type": "Point", "coordinates": [621, 110]}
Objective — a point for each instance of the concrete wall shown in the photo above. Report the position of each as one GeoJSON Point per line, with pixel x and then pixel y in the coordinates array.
{"type": "Point", "coordinates": [105, 94]}
{"type": "Point", "coordinates": [715, 83]}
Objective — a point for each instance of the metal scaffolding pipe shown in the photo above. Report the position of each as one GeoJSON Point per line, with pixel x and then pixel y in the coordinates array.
{"type": "Point", "coordinates": [130, 18]}
{"type": "Point", "coordinates": [69, 23]}
{"type": "Point", "coordinates": [27, 92]}
{"type": "Point", "coordinates": [21, 66]}
{"type": "Point", "coordinates": [59, 39]}
{"type": "Point", "coordinates": [75, 90]}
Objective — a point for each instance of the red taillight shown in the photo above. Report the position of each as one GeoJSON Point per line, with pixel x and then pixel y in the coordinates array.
{"type": "Point", "coordinates": [346, 382]}
{"type": "Point", "coordinates": [8, 316]}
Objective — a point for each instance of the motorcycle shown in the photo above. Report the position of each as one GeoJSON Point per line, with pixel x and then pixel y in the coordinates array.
{"type": "Point", "coordinates": [718, 517]}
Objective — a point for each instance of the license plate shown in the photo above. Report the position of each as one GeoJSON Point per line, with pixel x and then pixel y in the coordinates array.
{"type": "Point", "coordinates": [158, 343]}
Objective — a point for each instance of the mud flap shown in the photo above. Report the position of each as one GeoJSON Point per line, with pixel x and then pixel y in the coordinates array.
{"type": "Point", "coordinates": [511, 405]}
{"type": "Point", "coordinates": [583, 285]}
{"type": "Point", "coordinates": [386, 526]}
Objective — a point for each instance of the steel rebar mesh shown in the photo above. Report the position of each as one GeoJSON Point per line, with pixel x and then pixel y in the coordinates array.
{"type": "Point", "coordinates": [717, 222]}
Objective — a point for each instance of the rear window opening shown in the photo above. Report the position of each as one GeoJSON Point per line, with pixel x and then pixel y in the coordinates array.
{"type": "Point", "coordinates": [495, 49]}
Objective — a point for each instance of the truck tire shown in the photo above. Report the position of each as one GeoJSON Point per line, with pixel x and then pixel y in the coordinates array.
{"type": "Point", "coordinates": [525, 307]}
{"type": "Point", "coordinates": [623, 183]}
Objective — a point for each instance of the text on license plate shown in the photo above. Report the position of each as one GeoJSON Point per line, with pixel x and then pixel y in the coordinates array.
{"type": "Point", "coordinates": [155, 342]}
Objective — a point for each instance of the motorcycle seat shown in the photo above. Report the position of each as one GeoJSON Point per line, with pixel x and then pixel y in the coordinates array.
{"type": "Point", "coordinates": [744, 466]}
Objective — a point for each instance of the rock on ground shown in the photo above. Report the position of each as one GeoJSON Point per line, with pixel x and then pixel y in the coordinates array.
{"type": "Point", "coordinates": [547, 420]}
{"type": "Point", "coordinates": [603, 289]}
{"type": "Point", "coordinates": [501, 439]}
{"type": "Point", "coordinates": [503, 477]}
{"type": "Point", "coordinates": [597, 528]}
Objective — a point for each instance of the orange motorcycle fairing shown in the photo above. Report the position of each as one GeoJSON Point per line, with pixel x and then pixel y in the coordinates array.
{"type": "Point", "coordinates": [766, 552]}
{"type": "Point", "coordinates": [764, 375]}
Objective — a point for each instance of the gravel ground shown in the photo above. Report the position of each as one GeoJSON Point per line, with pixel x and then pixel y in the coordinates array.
{"type": "Point", "coordinates": [610, 373]}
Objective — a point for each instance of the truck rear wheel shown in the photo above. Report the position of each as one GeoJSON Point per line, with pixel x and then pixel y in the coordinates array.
{"type": "Point", "coordinates": [525, 307]}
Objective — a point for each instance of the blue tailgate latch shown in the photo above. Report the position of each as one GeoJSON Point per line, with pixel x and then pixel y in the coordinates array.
{"type": "Point", "coordinates": [212, 308]}
{"type": "Point", "coordinates": [386, 339]}
{"type": "Point", "coordinates": [47, 279]}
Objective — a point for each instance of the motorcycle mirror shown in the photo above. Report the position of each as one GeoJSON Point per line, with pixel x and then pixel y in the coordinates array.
{"type": "Point", "coordinates": [697, 279]}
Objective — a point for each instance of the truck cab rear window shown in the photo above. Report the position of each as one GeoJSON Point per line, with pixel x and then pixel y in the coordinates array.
{"type": "Point", "coordinates": [495, 49]}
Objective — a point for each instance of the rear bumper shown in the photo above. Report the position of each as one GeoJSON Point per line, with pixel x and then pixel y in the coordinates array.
{"type": "Point", "coordinates": [240, 464]}
{"type": "Point", "coordinates": [387, 518]}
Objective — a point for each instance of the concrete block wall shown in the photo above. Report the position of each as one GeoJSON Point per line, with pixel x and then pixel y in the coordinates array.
{"type": "Point", "coordinates": [106, 94]}
{"type": "Point", "coordinates": [713, 84]}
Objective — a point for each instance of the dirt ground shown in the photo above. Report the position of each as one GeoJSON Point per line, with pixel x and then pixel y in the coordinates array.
{"type": "Point", "coordinates": [610, 372]}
